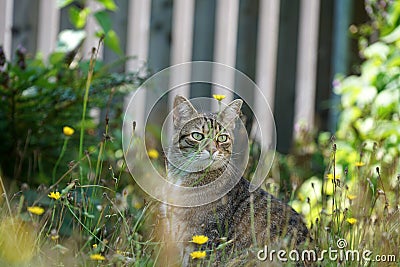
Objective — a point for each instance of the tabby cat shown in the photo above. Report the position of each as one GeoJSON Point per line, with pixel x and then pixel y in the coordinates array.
{"type": "Point", "coordinates": [203, 143]}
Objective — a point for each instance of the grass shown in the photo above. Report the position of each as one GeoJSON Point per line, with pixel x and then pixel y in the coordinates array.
{"type": "Point", "coordinates": [98, 223]}
{"type": "Point", "coordinates": [359, 210]}
{"type": "Point", "coordinates": [83, 227]}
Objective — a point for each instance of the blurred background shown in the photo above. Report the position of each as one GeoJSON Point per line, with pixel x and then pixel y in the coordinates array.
{"type": "Point", "coordinates": [291, 49]}
{"type": "Point", "coordinates": [326, 68]}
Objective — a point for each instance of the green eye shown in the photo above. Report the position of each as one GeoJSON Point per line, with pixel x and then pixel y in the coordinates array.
{"type": "Point", "coordinates": [197, 136]}
{"type": "Point", "coordinates": [222, 138]}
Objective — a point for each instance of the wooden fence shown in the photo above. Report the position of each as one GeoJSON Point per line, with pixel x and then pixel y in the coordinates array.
{"type": "Point", "coordinates": [276, 42]}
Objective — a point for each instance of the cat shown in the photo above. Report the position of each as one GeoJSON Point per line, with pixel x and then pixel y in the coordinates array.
{"type": "Point", "coordinates": [202, 143]}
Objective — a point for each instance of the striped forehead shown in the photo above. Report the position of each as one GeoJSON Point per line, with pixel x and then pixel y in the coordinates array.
{"type": "Point", "coordinates": [210, 124]}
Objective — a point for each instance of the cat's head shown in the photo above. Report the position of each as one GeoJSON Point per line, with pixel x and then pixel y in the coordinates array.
{"type": "Point", "coordinates": [203, 141]}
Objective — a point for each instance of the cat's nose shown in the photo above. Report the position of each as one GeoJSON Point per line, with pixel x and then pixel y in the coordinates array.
{"type": "Point", "coordinates": [212, 148]}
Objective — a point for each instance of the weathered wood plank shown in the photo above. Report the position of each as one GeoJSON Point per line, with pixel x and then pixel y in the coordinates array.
{"type": "Point", "coordinates": [307, 63]}
{"type": "Point", "coordinates": [6, 21]}
{"type": "Point", "coordinates": [182, 43]}
{"type": "Point", "coordinates": [137, 45]}
{"type": "Point", "coordinates": [266, 62]}
{"type": "Point", "coordinates": [225, 42]}
{"type": "Point", "coordinates": [48, 27]}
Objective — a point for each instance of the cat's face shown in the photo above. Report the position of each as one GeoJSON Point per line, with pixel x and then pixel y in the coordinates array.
{"type": "Point", "coordinates": [202, 141]}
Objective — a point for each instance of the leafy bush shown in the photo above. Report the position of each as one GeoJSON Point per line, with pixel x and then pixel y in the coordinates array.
{"type": "Point", "coordinates": [370, 120]}
{"type": "Point", "coordinates": [357, 196]}
{"type": "Point", "coordinates": [38, 99]}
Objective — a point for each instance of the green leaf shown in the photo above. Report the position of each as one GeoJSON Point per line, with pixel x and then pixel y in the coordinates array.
{"type": "Point", "coordinates": [112, 41]}
{"type": "Point", "coordinates": [56, 58]}
{"type": "Point", "coordinates": [366, 96]}
{"type": "Point", "coordinates": [108, 4]}
{"type": "Point", "coordinates": [385, 129]}
{"type": "Point", "coordinates": [69, 40]}
{"type": "Point", "coordinates": [63, 3]}
{"type": "Point", "coordinates": [394, 61]}
{"type": "Point", "coordinates": [378, 49]}
{"type": "Point", "coordinates": [393, 36]}
{"type": "Point", "coordinates": [385, 102]}
{"type": "Point", "coordinates": [104, 20]}
{"type": "Point", "coordinates": [78, 16]}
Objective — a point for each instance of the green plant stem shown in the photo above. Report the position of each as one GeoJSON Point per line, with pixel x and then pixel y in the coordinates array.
{"type": "Point", "coordinates": [6, 197]}
{"type": "Point", "coordinates": [84, 226]}
{"type": "Point", "coordinates": [85, 101]}
{"type": "Point", "coordinates": [63, 149]}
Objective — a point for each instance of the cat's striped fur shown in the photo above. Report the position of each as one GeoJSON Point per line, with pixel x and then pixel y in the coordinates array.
{"type": "Point", "coordinates": [204, 155]}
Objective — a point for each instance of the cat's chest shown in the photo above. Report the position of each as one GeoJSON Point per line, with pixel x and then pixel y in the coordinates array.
{"type": "Point", "coordinates": [195, 220]}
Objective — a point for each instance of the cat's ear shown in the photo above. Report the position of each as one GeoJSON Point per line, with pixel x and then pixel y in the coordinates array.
{"type": "Point", "coordinates": [230, 113]}
{"type": "Point", "coordinates": [183, 111]}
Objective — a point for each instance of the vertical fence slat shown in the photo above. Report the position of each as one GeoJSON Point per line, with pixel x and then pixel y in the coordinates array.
{"type": "Point", "coordinates": [267, 50]}
{"type": "Point", "coordinates": [340, 52]}
{"type": "Point", "coordinates": [91, 28]}
{"type": "Point", "coordinates": [225, 41]}
{"type": "Point", "coordinates": [181, 47]}
{"type": "Point", "coordinates": [49, 23]}
{"type": "Point", "coordinates": [137, 45]}
{"type": "Point", "coordinates": [138, 33]}
{"type": "Point", "coordinates": [307, 63]}
{"type": "Point", "coordinates": [6, 20]}
{"type": "Point", "coordinates": [182, 42]}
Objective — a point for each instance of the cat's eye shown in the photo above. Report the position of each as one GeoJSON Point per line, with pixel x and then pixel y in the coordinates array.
{"type": "Point", "coordinates": [222, 138]}
{"type": "Point", "coordinates": [197, 136]}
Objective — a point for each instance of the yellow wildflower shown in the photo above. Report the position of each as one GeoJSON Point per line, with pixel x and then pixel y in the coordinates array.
{"type": "Point", "coordinates": [153, 154]}
{"type": "Point", "coordinates": [68, 131]}
{"type": "Point", "coordinates": [137, 205]}
{"type": "Point", "coordinates": [36, 210]}
{"type": "Point", "coordinates": [94, 245]}
{"type": "Point", "coordinates": [351, 220]}
{"type": "Point", "coordinates": [330, 176]}
{"type": "Point", "coordinates": [219, 97]}
{"type": "Point", "coordinates": [97, 257]}
{"type": "Point", "coordinates": [359, 164]}
{"type": "Point", "coordinates": [351, 197]}
{"type": "Point", "coordinates": [198, 254]}
{"type": "Point", "coordinates": [54, 195]}
{"type": "Point", "coordinates": [54, 237]}
{"type": "Point", "coordinates": [199, 239]}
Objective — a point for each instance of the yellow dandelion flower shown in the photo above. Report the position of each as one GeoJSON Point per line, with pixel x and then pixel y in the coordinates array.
{"type": "Point", "coordinates": [219, 97]}
{"type": "Point", "coordinates": [153, 154]}
{"type": "Point", "coordinates": [94, 245]}
{"type": "Point", "coordinates": [330, 176]}
{"type": "Point", "coordinates": [54, 195]}
{"type": "Point", "coordinates": [68, 131]}
{"type": "Point", "coordinates": [351, 220]}
{"type": "Point", "coordinates": [198, 254]}
{"type": "Point", "coordinates": [351, 197]}
{"type": "Point", "coordinates": [137, 205]}
{"type": "Point", "coordinates": [36, 210]}
{"type": "Point", "coordinates": [199, 239]}
{"type": "Point", "coordinates": [97, 257]}
{"type": "Point", "coordinates": [359, 164]}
